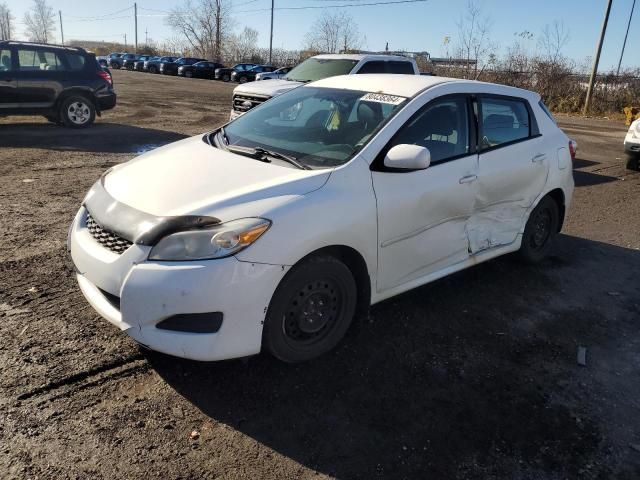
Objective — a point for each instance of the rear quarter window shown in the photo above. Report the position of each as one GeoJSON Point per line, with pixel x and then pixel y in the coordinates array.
{"type": "Point", "coordinates": [546, 110]}
{"type": "Point", "coordinates": [76, 61]}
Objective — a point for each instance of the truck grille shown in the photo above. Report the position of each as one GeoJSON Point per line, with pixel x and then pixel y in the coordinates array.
{"type": "Point", "coordinates": [107, 238]}
{"type": "Point", "coordinates": [244, 103]}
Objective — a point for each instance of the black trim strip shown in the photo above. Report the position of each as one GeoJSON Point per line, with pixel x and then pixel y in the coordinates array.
{"type": "Point", "coordinates": [193, 322]}
{"type": "Point", "coordinates": [134, 225]}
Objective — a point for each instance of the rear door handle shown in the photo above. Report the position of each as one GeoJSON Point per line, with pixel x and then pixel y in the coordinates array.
{"type": "Point", "coordinates": [539, 157]}
{"type": "Point", "coordinates": [468, 179]}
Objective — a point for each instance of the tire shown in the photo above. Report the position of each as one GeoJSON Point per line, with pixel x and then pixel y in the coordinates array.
{"type": "Point", "coordinates": [226, 77]}
{"type": "Point", "coordinates": [633, 162]}
{"type": "Point", "coordinates": [77, 111]}
{"type": "Point", "coordinates": [321, 290]}
{"type": "Point", "coordinates": [153, 69]}
{"type": "Point", "coordinates": [243, 80]}
{"type": "Point", "coordinates": [188, 74]}
{"type": "Point", "coordinates": [540, 231]}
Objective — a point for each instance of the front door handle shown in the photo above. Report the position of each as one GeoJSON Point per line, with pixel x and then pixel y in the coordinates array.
{"type": "Point", "coordinates": [468, 179]}
{"type": "Point", "coordinates": [539, 157]}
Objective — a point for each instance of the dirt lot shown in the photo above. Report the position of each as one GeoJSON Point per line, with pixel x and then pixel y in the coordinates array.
{"type": "Point", "coordinates": [474, 376]}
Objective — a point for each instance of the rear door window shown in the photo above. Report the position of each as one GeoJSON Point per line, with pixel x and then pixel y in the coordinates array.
{"type": "Point", "coordinates": [503, 121]}
{"type": "Point", "coordinates": [373, 67]}
{"type": "Point", "coordinates": [37, 59]}
{"type": "Point", "coordinates": [400, 67]}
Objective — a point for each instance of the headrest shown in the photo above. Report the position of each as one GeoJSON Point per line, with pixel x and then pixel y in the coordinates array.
{"type": "Point", "coordinates": [498, 121]}
{"type": "Point", "coordinates": [440, 121]}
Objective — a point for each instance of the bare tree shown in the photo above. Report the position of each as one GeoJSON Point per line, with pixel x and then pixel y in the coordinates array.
{"type": "Point", "coordinates": [204, 24]}
{"type": "Point", "coordinates": [243, 46]}
{"type": "Point", "coordinates": [334, 32]}
{"type": "Point", "coordinates": [40, 22]}
{"type": "Point", "coordinates": [6, 22]}
{"type": "Point", "coordinates": [473, 37]}
{"type": "Point", "coordinates": [553, 40]}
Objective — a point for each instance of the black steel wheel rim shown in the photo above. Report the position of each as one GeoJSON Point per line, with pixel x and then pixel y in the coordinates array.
{"type": "Point", "coordinates": [540, 228]}
{"type": "Point", "coordinates": [313, 311]}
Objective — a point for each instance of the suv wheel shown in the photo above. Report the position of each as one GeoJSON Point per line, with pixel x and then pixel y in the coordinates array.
{"type": "Point", "coordinates": [153, 69]}
{"type": "Point", "coordinates": [243, 80]}
{"type": "Point", "coordinates": [77, 112]}
{"type": "Point", "coordinates": [188, 74]}
{"type": "Point", "coordinates": [311, 310]}
{"type": "Point", "coordinates": [540, 230]}
{"type": "Point", "coordinates": [226, 77]}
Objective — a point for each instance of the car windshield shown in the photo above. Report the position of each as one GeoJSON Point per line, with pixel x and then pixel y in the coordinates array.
{"type": "Point", "coordinates": [319, 127]}
{"type": "Point", "coordinates": [318, 68]}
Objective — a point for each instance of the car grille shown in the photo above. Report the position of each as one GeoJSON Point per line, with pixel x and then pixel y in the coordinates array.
{"type": "Point", "coordinates": [244, 103]}
{"type": "Point", "coordinates": [107, 238]}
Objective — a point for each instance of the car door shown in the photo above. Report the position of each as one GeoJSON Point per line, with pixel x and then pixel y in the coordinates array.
{"type": "Point", "coordinates": [512, 171]}
{"type": "Point", "coordinates": [422, 214]}
{"type": "Point", "coordinates": [40, 75]}
{"type": "Point", "coordinates": [8, 80]}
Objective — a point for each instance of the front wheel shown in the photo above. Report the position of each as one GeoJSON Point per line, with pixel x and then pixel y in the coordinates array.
{"type": "Point", "coordinates": [243, 80]}
{"type": "Point", "coordinates": [633, 162]}
{"type": "Point", "coordinates": [226, 77]}
{"type": "Point", "coordinates": [188, 74]}
{"type": "Point", "coordinates": [77, 112]}
{"type": "Point", "coordinates": [540, 230]}
{"type": "Point", "coordinates": [311, 310]}
{"type": "Point", "coordinates": [153, 69]}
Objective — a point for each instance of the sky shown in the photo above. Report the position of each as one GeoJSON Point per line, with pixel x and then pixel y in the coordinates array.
{"type": "Point", "coordinates": [420, 26]}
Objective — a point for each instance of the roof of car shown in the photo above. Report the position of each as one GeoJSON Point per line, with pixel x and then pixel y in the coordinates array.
{"type": "Point", "coordinates": [360, 56]}
{"type": "Point", "coordinates": [410, 85]}
{"type": "Point", "coordinates": [40, 44]}
{"type": "Point", "coordinates": [392, 84]}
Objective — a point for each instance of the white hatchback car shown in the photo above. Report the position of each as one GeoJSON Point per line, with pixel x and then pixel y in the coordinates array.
{"type": "Point", "coordinates": [275, 230]}
{"type": "Point", "coordinates": [632, 145]}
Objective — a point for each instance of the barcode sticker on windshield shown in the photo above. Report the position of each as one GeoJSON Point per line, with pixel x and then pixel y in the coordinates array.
{"type": "Point", "coordinates": [382, 98]}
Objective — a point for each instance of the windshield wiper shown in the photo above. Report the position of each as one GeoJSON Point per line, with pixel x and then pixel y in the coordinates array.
{"type": "Point", "coordinates": [263, 155]}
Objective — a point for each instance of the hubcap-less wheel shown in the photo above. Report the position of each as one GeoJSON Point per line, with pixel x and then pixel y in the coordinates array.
{"type": "Point", "coordinates": [188, 74]}
{"type": "Point", "coordinates": [226, 78]}
{"type": "Point", "coordinates": [541, 224]}
{"type": "Point", "coordinates": [312, 312]}
{"type": "Point", "coordinates": [243, 79]}
{"type": "Point", "coordinates": [540, 230]}
{"type": "Point", "coordinates": [79, 113]}
{"type": "Point", "coordinates": [311, 309]}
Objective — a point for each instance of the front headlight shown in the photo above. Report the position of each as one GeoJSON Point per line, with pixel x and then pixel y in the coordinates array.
{"type": "Point", "coordinates": [216, 242]}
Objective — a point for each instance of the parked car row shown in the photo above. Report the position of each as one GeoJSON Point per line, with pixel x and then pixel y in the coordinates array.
{"type": "Point", "coordinates": [193, 67]}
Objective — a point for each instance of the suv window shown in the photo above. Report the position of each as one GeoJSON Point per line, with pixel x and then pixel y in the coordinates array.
{"type": "Point", "coordinates": [36, 59]}
{"type": "Point", "coordinates": [400, 67]}
{"type": "Point", "coordinates": [374, 66]}
{"type": "Point", "coordinates": [442, 126]}
{"type": "Point", "coordinates": [5, 60]}
{"type": "Point", "coordinates": [503, 121]}
{"type": "Point", "coordinates": [75, 61]}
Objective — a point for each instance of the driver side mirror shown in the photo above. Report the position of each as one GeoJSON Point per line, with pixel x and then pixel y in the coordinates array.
{"type": "Point", "coordinates": [408, 157]}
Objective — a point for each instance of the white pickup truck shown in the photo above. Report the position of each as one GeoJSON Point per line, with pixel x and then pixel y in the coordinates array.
{"type": "Point", "coordinates": [248, 95]}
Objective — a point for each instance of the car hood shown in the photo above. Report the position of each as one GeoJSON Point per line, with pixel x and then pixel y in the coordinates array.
{"type": "Point", "coordinates": [267, 88]}
{"type": "Point", "coordinates": [190, 177]}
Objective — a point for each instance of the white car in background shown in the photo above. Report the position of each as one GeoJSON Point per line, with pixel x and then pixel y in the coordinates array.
{"type": "Point", "coordinates": [275, 75]}
{"type": "Point", "coordinates": [275, 230]}
{"type": "Point", "coordinates": [249, 95]}
{"type": "Point", "coordinates": [632, 145]}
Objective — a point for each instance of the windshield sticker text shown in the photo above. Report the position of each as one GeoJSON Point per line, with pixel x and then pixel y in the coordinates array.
{"type": "Point", "coordinates": [382, 98]}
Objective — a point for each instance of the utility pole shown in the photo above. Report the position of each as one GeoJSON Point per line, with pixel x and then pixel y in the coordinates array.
{"type": "Point", "coordinates": [271, 37]}
{"type": "Point", "coordinates": [624, 44]}
{"type": "Point", "coordinates": [135, 15]}
{"type": "Point", "coordinates": [146, 36]}
{"type": "Point", "coordinates": [125, 41]}
{"type": "Point", "coordinates": [61, 31]}
{"type": "Point", "coordinates": [596, 60]}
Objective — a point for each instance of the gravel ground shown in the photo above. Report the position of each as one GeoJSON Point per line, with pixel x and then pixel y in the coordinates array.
{"type": "Point", "coordinates": [473, 376]}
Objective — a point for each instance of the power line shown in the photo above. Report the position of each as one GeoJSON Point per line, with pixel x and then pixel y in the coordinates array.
{"type": "Point", "coordinates": [92, 17]}
{"type": "Point", "coordinates": [346, 5]}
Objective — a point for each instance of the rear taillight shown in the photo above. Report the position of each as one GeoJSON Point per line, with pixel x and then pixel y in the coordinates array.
{"type": "Point", "coordinates": [105, 76]}
{"type": "Point", "coordinates": [572, 149]}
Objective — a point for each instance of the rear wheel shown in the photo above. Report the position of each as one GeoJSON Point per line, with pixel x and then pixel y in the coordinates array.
{"type": "Point", "coordinates": [541, 229]}
{"type": "Point", "coordinates": [633, 162]}
{"type": "Point", "coordinates": [188, 74]}
{"type": "Point", "coordinates": [77, 112]}
{"type": "Point", "coordinates": [226, 77]}
{"type": "Point", "coordinates": [243, 80]}
{"type": "Point", "coordinates": [153, 69]}
{"type": "Point", "coordinates": [311, 310]}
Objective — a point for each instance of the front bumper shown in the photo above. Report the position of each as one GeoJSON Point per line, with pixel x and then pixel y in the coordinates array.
{"type": "Point", "coordinates": [150, 292]}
